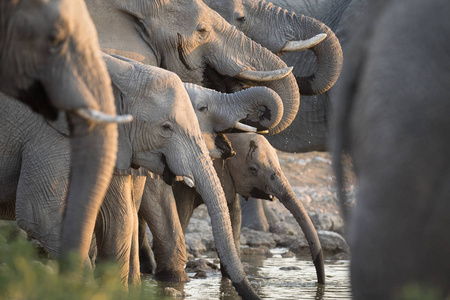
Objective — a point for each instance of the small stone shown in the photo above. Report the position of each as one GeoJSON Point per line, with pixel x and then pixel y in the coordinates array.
{"type": "Point", "coordinates": [291, 268]}
{"type": "Point", "coordinates": [200, 274]}
{"type": "Point", "coordinates": [288, 254]}
{"type": "Point", "coordinates": [171, 292]}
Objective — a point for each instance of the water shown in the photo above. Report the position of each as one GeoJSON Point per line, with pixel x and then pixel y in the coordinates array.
{"type": "Point", "coordinates": [270, 282]}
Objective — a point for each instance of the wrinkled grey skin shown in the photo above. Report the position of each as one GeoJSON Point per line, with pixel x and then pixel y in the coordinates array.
{"type": "Point", "coordinates": [163, 139]}
{"type": "Point", "coordinates": [393, 121]}
{"type": "Point", "coordinates": [254, 171]}
{"type": "Point", "coordinates": [274, 28]}
{"type": "Point", "coordinates": [49, 59]}
{"type": "Point", "coordinates": [190, 39]}
{"type": "Point", "coordinates": [310, 130]}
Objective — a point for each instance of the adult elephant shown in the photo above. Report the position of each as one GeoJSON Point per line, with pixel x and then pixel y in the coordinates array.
{"type": "Point", "coordinates": [190, 39]}
{"type": "Point", "coordinates": [49, 59]}
{"type": "Point", "coordinates": [261, 21]}
{"type": "Point", "coordinates": [165, 139]}
{"type": "Point", "coordinates": [392, 118]}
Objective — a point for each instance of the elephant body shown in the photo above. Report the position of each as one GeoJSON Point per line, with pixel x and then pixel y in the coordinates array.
{"type": "Point", "coordinates": [391, 117]}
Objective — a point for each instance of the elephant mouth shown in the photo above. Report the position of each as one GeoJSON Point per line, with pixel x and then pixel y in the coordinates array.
{"type": "Point", "coordinates": [168, 176]}
{"type": "Point", "coordinates": [257, 193]}
{"type": "Point", "coordinates": [37, 98]}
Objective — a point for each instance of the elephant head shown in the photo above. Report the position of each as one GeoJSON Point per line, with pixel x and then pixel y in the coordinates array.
{"type": "Point", "coordinates": [165, 138]}
{"type": "Point", "coordinates": [50, 60]}
{"type": "Point", "coordinates": [190, 39]}
{"type": "Point", "coordinates": [256, 172]}
{"type": "Point", "coordinates": [281, 31]}
{"type": "Point", "coordinates": [220, 112]}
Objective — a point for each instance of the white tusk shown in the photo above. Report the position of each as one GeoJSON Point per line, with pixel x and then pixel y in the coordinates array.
{"type": "Point", "coordinates": [264, 75]}
{"type": "Point", "coordinates": [99, 117]}
{"type": "Point", "coordinates": [189, 182]}
{"type": "Point", "coordinates": [303, 45]}
{"type": "Point", "coordinates": [244, 127]}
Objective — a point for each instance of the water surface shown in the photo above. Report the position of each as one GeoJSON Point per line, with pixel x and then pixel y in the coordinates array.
{"type": "Point", "coordinates": [271, 282]}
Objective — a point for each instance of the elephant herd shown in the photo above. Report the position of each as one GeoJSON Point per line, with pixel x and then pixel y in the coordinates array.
{"type": "Point", "coordinates": [134, 112]}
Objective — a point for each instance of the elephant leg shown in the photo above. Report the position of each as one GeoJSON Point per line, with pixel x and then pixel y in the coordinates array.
{"type": "Point", "coordinates": [186, 200]}
{"type": "Point", "coordinates": [138, 190]}
{"type": "Point", "coordinates": [253, 215]}
{"type": "Point", "coordinates": [159, 211]}
{"type": "Point", "coordinates": [41, 192]}
{"type": "Point", "coordinates": [147, 260]}
{"type": "Point", "coordinates": [115, 224]}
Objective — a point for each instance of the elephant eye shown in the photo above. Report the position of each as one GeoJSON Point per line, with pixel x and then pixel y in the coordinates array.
{"type": "Point", "coordinates": [166, 129]}
{"type": "Point", "coordinates": [202, 29]}
{"type": "Point", "coordinates": [203, 109]}
{"type": "Point", "coordinates": [57, 40]}
{"type": "Point", "coordinates": [253, 170]}
{"type": "Point", "coordinates": [241, 19]}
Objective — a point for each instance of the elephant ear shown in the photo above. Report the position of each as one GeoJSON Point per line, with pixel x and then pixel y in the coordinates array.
{"type": "Point", "coordinates": [120, 70]}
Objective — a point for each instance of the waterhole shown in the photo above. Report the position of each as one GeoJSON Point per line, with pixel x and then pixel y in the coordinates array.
{"type": "Point", "coordinates": [275, 277]}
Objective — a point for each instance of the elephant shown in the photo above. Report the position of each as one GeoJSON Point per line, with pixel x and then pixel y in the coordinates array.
{"type": "Point", "coordinates": [253, 171]}
{"type": "Point", "coordinates": [280, 31]}
{"type": "Point", "coordinates": [172, 154]}
{"type": "Point", "coordinates": [190, 39]}
{"type": "Point", "coordinates": [49, 59]}
{"type": "Point", "coordinates": [310, 130]}
{"type": "Point", "coordinates": [391, 118]}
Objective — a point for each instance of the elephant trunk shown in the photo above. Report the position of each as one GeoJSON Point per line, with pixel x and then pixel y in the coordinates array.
{"type": "Point", "coordinates": [93, 153]}
{"type": "Point", "coordinates": [300, 27]}
{"type": "Point", "coordinates": [259, 107]}
{"type": "Point", "coordinates": [260, 59]}
{"type": "Point", "coordinates": [207, 184]}
{"type": "Point", "coordinates": [292, 203]}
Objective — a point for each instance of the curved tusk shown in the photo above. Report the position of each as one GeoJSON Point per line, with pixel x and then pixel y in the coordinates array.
{"type": "Point", "coordinates": [244, 127]}
{"type": "Point", "coordinates": [99, 117]}
{"type": "Point", "coordinates": [189, 182]}
{"type": "Point", "coordinates": [264, 75]}
{"type": "Point", "coordinates": [303, 45]}
{"type": "Point", "coordinates": [263, 132]}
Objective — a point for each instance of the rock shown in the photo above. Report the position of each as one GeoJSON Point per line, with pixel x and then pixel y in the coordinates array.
{"type": "Point", "coordinates": [284, 228]}
{"type": "Point", "coordinates": [284, 240]}
{"type": "Point", "coordinates": [292, 268]}
{"type": "Point", "coordinates": [332, 242]}
{"type": "Point", "coordinates": [288, 254]}
{"type": "Point", "coordinates": [199, 242]}
{"type": "Point", "coordinates": [200, 265]}
{"type": "Point", "coordinates": [200, 274]}
{"type": "Point", "coordinates": [327, 221]}
{"type": "Point", "coordinates": [171, 292]}
{"type": "Point", "coordinates": [257, 238]}
{"type": "Point", "coordinates": [261, 250]}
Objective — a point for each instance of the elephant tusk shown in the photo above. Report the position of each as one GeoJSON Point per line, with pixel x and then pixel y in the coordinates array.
{"type": "Point", "coordinates": [189, 182]}
{"type": "Point", "coordinates": [244, 127]}
{"type": "Point", "coordinates": [264, 75]}
{"type": "Point", "coordinates": [263, 132]}
{"type": "Point", "coordinates": [303, 45]}
{"type": "Point", "coordinates": [99, 117]}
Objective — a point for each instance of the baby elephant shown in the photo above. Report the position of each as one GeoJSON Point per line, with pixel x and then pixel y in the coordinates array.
{"type": "Point", "coordinates": [254, 171]}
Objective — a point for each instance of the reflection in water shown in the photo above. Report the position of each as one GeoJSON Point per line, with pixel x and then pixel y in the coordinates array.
{"type": "Point", "coordinates": [297, 280]}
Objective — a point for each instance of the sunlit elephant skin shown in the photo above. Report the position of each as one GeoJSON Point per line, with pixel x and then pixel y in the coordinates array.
{"type": "Point", "coordinates": [392, 118]}
{"type": "Point", "coordinates": [165, 138]}
{"type": "Point", "coordinates": [310, 130]}
{"type": "Point", "coordinates": [49, 59]}
{"type": "Point", "coordinates": [281, 31]}
{"type": "Point", "coordinates": [254, 171]}
{"type": "Point", "coordinates": [190, 39]}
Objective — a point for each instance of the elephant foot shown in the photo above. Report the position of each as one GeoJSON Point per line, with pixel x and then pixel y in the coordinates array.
{"type": "Point", "coordinates": [147, 262]}
{"type": "Point", "coordinates": [172, 276]}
